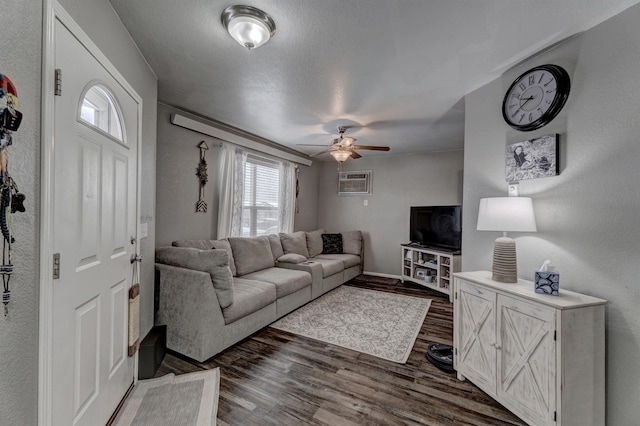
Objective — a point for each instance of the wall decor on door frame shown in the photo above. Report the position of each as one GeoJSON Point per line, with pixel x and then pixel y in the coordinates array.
{"type": "Point", "coordinates": [533, 158]}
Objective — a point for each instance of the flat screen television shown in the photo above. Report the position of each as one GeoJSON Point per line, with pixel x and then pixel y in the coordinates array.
{"type": "Point", "coordinates": [439, 227]}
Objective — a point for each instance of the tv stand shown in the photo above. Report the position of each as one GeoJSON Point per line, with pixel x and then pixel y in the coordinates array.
{"type": "Point", "coordinates": [431, 268]}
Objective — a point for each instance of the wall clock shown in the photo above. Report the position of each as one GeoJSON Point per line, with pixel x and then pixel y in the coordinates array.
{"type": "Point", "coordinates": [536, 97]}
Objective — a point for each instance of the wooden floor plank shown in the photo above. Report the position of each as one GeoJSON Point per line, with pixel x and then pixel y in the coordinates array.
{"type": "Point", "coordinates": [279, 378]}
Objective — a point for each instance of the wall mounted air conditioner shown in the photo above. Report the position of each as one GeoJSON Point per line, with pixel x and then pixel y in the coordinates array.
{"type": "Point", "coordinates": [354, 182]}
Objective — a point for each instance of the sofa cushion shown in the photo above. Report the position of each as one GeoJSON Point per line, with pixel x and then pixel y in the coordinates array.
{"type": "Point", "coordinates": [198, 244]}
{"type": "Point", "coordinates": [295, 242]}
{"type": "Point", "coordinates": [276, 246]}
{"type": "Point", "coordinates": [352, 242]}
{"type": "Point", "coordinates": [251, 254]}
{"type": "Point", "coordinates": [224, 245]}
{"type": "Point", "coordinates": [287, 281]}
{"type": "Point", "coordinates": [348, 260]}
{"type": "Point", "coordinates": [250, 296]}
{"type": "Point", "coordinates": [329, 266]}
{"type": "Point", "coordinates": [292, 258]}
{"type": "Point", "coordinates": [314, 242]}
{"type": "Point", "coordinates": [215, 262]}
{"type": "Point", "coordinates": [331, 243]}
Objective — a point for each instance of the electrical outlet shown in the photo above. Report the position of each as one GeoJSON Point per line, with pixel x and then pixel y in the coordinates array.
{"type": "Point", "coordinates": [366, 203]}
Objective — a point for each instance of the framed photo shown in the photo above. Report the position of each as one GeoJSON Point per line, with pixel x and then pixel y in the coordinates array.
{"type": "Point", "coordinates": [533, 158]}
{"type": "Point", "coordinates": [420, 273]}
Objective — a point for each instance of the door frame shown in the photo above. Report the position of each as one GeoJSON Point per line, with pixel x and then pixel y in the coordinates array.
{"type": "Point", "coordinates": [53, 11]}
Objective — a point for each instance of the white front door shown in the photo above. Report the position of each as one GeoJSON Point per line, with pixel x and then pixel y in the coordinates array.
{"type": "Point", "coordinates": [94, 220]}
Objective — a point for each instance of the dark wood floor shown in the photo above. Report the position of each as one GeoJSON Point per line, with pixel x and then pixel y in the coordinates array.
{"type": "Point", "coordinates": [279, 378]}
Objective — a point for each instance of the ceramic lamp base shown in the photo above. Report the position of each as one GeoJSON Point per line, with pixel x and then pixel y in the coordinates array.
{"type": "Point", "coordinates": [505, 269]}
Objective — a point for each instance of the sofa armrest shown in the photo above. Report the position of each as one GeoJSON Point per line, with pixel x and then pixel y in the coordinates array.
{"type": "Point", "coordinates": [189, 307]}
{"type": "Point", "coordinates": [314, 268]}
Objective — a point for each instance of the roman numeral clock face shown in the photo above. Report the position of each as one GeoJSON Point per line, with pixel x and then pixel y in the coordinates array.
{"type": "Point", "coordinates": [536, 97]}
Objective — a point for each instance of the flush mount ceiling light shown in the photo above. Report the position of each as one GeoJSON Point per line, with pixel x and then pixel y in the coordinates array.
{"type": "Point", "coordinates": [248, 26]}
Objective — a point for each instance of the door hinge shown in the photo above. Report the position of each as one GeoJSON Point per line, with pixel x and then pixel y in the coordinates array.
{"type": "Point", "coordinates": [56, 266]}
{"type": "Point", "coordinates": [58, 89]}
{"type": "Point", "coordinates": [555, 416]}
{"type": "Point", "coordinates": [455, 350]}
{"type": "Point", "coordinates": [456, 295]}
{"type": "Point", "coordinates": [555, 335]}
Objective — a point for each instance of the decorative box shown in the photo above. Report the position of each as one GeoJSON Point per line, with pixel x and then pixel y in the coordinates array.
{"type": "Point", "coordinates": [547, 282]}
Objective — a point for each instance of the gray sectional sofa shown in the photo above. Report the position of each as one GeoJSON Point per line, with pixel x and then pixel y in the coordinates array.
{"type": "Point", "coordinates": [214, 293]}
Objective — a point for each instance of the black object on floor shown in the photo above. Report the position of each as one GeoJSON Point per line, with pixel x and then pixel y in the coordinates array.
{"type": "Point", "coordinates": [152, 350]}
{"type": "Point", "coordinates": [441, 356]}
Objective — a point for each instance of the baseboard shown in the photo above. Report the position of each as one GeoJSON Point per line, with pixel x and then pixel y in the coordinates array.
{"type": "Point", "coordinates": [380, 274]}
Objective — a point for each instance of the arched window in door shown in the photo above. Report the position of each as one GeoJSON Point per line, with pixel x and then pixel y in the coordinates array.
{"type": "Point", "coordinates": [100, 110]}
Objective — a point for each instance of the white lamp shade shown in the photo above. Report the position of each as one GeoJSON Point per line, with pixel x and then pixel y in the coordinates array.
{"type": "Point", "coordinates": [506, 214]}
{"type": "Point", "coordinates": [248, 31]}
{"type": "Point", "coordinates": [341, 155]}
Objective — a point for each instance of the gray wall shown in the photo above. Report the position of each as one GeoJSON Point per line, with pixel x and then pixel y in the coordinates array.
{"type": "Point", "coordinates": [178, 190]}
{"type": "Point", "coordinates": [398, 182]}
{"type": "Point", "coordinates": [307, 217]}
{"type": "Point", "coordinates": [588, 217]}
{"type": "Point", "coordinates": [20, 44]}
{"type": "Point", "coordinates": [177, 187]}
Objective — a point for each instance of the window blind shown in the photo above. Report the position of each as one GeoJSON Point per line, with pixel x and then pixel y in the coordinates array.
{"type": "Point", "coordinates": [260, 214]}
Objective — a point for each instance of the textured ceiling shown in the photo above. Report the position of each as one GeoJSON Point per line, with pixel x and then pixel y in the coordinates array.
{"type": "Point", "coordinates": [396, 72]}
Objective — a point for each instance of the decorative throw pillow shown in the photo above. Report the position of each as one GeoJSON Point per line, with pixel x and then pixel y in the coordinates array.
{"type": "Point", "coordinates": [331, 243]}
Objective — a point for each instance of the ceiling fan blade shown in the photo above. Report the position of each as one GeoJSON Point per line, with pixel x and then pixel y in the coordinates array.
{"type": "Point", "coordinates": [310, 144]}
{"type": "Point", "coordinates": [321, 152]}
{"type": "Point", "coordinates": [355, 155]}
{"type": "Point", "coordinates": [372, 148]}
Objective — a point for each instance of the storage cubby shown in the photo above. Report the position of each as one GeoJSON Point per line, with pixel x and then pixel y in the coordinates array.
{"type": "Point", "coordinates": [429, 267]}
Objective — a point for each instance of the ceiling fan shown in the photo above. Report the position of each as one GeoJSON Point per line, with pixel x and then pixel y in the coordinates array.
{"type": "Point", "coordinates": [343, 147]}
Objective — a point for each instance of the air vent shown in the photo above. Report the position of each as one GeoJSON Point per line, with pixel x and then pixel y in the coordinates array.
{"type": "Point", "coordinates": [354, 182]}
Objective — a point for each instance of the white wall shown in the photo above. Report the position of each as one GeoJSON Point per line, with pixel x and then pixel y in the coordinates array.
{"type": "Point", "coordinates": [398, 182]}
{"type": "Point", "coordinates": [98, 19]}
{"type": "Point", "coordinates": [589, 216]}
{"type": "Point", "coordinates": [20, 44]}
{"type": "Point", "coordinates": [178, 190]}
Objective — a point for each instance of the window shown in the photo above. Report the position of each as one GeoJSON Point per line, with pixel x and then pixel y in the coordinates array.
{"type": "Point", "coordinates": [261, 197]}
{"type": "Point", "coordinates": [99, 110]}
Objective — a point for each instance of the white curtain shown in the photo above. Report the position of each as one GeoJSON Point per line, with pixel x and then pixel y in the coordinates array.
{"type": "Point", "coordinates": [226, 182]}
{"type": "Point", "coordinates": [287, 196]}
{"type": "Point", "coordinates": [240, 160]}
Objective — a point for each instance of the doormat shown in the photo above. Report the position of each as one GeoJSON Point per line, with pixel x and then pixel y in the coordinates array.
{"type": "Point", "coordinates": [373, 279]}
{"type": "Point", "coordinates": [186, 400]}
{"type": "Point", "coordinates": [377, 323]}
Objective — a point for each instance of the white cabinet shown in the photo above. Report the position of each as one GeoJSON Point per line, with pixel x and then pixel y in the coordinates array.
{"type": "Point", "coordinates": [430, 268]}
{"type": "Point", "coordinates": [540, 356]}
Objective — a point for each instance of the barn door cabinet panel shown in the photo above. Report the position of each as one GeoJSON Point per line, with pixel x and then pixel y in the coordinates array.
{"type": "Point", "coordinates": [540, 356]}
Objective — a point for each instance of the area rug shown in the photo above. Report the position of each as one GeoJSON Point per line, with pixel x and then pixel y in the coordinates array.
{"type": "Point", "coordinates": [184, 400]}
{"type": "Point", "coordinates": [377, 323]}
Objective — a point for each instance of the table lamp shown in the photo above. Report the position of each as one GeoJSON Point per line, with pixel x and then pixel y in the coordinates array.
{"type": "Point", "coordinates": [506, 214]}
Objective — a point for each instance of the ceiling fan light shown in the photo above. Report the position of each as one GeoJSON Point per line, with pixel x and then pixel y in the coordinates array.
{"type": "Point", "coordinates": [341, 155]}
{"type": "Point", "coordinates": [249, 26]}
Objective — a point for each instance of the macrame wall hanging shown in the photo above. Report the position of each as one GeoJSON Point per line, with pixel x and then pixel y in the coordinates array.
{"type": "Point", "coordinates": [201, 173]}
{"type": "Point", "coordinates": [11, 200]}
